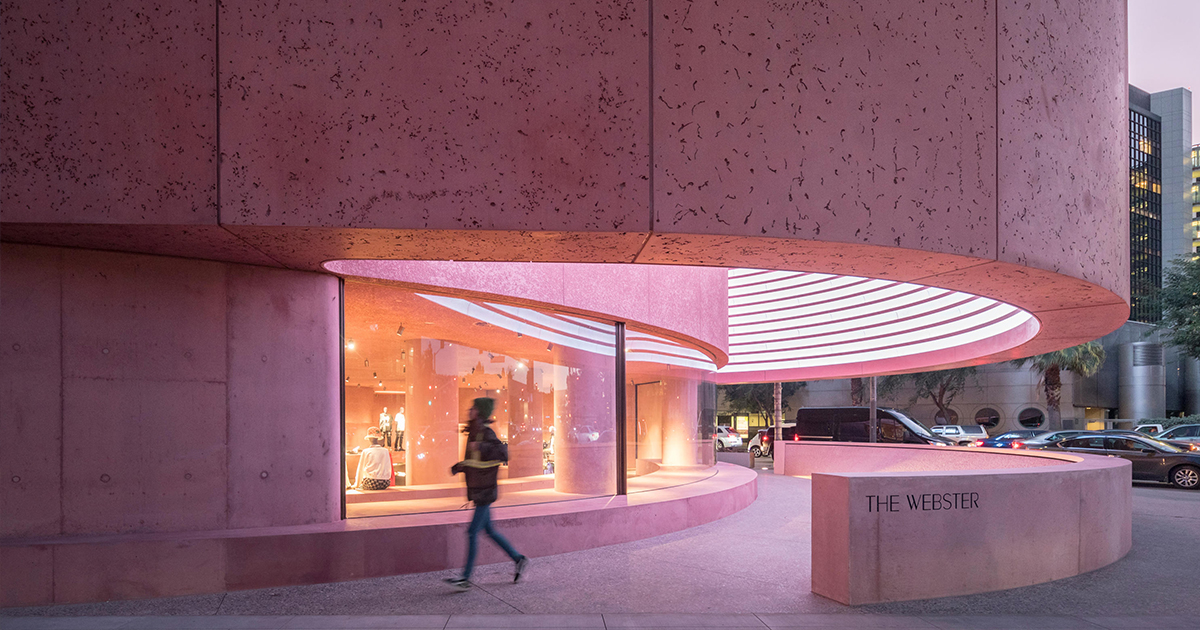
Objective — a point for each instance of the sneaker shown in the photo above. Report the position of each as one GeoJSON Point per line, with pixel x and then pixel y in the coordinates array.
{"type": "Point", "coordinates": [459, 584]}
{"type": "Point", "coordinates": [522, 562]}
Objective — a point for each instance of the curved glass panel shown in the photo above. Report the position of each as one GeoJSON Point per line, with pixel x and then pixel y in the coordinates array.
{"type": "Point", "coordinates": [415, 362]}
{"type": "Point", "coordinates": [670, 403]}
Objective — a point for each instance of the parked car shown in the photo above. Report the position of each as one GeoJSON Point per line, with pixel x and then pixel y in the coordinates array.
{"type": "Point", "coordinates": [726, 438]}
{"type": "Point", "coordinates": [961, 434]}
{"type": "Point", "coordinates": [1005, 440]}
{"type": "Point", "coordinates": [1181, 433]}
{"type": "Point", "coordinates": [1185, 445]}
{"type": "Point", "coordinates": [760, 444]}
{"type": "Point", "coordinates": [1047, 439]}
{"type": "Point", "coordinates": [850, 424]}
{"type": "Point", "coordinates": [1153, 460]}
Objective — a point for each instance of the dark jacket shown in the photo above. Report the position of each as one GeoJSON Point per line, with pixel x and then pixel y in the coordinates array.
{"type": "Point", "coordinates": [481, 468]}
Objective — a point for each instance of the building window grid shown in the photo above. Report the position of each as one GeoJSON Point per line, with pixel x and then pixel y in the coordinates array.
{"type": "Point", "coordinates": [1145, 204]}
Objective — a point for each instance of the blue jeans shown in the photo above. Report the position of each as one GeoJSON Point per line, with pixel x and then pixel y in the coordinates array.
{"type": "Point", "coordinates": [483, 520]}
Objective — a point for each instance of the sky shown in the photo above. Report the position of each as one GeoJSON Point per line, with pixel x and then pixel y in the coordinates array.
{"type": "Point", "coordinates": [1164, 48]}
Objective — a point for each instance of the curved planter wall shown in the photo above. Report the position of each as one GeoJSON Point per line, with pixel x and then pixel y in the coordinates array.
{"type": "Point", "coordinates": [917, 522]}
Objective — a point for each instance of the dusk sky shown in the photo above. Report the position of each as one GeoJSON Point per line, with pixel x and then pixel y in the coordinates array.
{"type": "Point", "coordinates": [1163, 44]}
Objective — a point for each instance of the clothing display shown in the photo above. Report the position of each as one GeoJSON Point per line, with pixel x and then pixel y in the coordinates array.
{"type": "Point", "coordinates": [385, 427]}
{"type": "Point", "coordinates": [375, 484]}
{"type": "Point", "coordinates": [374, 467]}
{"type": "Point", "coordinates": [398, 426]}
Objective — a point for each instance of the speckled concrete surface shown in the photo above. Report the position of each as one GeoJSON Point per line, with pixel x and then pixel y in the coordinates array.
{"type": "Point", "coordinates": [755, 561]}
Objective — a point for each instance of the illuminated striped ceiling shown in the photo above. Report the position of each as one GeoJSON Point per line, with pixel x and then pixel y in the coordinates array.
{"type": "Point", "coordinates": [787, 320]}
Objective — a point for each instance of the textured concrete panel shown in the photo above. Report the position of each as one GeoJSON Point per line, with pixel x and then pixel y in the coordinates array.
{"type": "Point", "coordinates": [143, 317]}
{"type": "Point", "coordinates": [467, 114]}
{"type": "Point", "coordinates": [307, 248]}
{"type": "Point", "coordinates": [1064, 147]}
{"type": "Point", "coordinates": [859, 122]}
{"type": "Point", "coordinates": [205, 242]}
{"type": "Point", "coordinates": [109, 112]}
{"type": "Point", "coordinates": [143, 456]}
{"type": "Point", "coordinates": [98, 572]}
{"type": "Point", "coordinates": [28, 578]}
{"type": "Point", "coordinates": [284, 398]}
{"type": "Point", "coordinates": [30, 391]}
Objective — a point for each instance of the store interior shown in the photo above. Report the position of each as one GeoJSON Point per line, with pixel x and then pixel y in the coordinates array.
{"type": "Point", "coordinates": [414, 362]}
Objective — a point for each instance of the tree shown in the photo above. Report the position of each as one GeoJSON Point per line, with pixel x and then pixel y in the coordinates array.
{"type": "Point", "coordinates": [1180, 299]}
{"type": "Point", "coordinates": [758, 399]}
{"type": "Point", "coordinates": [941, 386]}
{"type": "Point", "coordinates": [1084, 360]}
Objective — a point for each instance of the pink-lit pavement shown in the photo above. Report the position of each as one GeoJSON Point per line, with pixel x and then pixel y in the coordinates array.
{"type": "Point", "coordinates": [748, 570]}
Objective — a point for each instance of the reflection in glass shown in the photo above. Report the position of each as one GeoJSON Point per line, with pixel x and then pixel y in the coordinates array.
{"type": "Point", "coordinates": [419, 360]}
{"type": "Point", "coordinates": [670, 412]}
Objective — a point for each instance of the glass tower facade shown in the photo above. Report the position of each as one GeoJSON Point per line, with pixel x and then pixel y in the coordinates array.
{"type": "Point", "coordinates": [1145, 216]}
{"type": "Point", "coordinates": [1195, 202]}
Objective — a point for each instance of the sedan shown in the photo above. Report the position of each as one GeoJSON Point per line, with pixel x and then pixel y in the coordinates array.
{"type": "Point", "coordinates": [1005, 440]}
{"type": "Point", "coordinates": [1047, 439]}
{"type": "Point", "coordinates": [1187, 446]}
{"type": "Point", "coordinates": [1152, 460]}
{"type": "Point", "coordinates": [1182, 433]}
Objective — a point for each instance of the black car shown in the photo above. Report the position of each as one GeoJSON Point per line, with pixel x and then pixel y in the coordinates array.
{"type": "Point", "coordinates": [1152, 459]}
{"type": "Point", "coordinates": [1005, 440]}
{"type": "Point", "coordinates": [1047, 438]}
{"type": "Point", "coordinates": [1187, 446]}
{"type": "Point", "coordinates": [850, 424]}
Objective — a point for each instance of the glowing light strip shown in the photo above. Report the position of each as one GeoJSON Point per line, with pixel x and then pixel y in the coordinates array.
{"type": "Point", "coordinates": [993, 330]}
{"type": "Point", "coordinates": [484, 314]}
{"type": "Point", "coordinates": [908, 306]}
{"type": "Point", "coordinates": [770, 351]}
{"type": "Point", "coordinates": [889, 323]}
{"type": "Point", "coordinates": [792, 320]}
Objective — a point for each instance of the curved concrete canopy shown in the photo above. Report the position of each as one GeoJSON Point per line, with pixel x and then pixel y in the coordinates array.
{"type": "Point", "coordinates": [781, 325]}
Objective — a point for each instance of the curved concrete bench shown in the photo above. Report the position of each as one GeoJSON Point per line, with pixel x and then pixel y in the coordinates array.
{"type": "Point", "coordinates": [901, 522]}
{"type": "Point", "coordinates": [65, 570]}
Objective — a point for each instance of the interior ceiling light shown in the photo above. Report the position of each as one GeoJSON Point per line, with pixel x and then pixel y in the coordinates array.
{"type": "Point", "coordinates": [400, 331]}
{"type": "Point", "coordinates": [349, 344]}
{"type": "Point", "coordinates": [549, 347]}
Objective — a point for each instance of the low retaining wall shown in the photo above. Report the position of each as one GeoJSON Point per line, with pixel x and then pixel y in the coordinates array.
{"type": "Point", "coordinates": [53, 571]}
{"type": "Point", "coordinates": [894, 523]}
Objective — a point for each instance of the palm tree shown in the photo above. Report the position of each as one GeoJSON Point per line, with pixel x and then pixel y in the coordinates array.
{"type": "Point", "coordinates": [1084, 360]}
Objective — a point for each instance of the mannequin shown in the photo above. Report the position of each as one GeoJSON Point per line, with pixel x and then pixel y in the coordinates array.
{"type": "Point", "coordinates": [385, 427]}
{"type": "Point", "coordinates": [399, 424]}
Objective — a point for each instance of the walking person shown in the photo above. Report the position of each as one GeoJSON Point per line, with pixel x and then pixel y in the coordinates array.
{"type": "Point", "coordinates": [485, 453]}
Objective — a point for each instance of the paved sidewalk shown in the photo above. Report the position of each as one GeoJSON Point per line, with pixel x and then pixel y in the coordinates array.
{"type": "Point", "coordinates": [737, 570]}
{"type": "Point", "coordinates": [678, 621]}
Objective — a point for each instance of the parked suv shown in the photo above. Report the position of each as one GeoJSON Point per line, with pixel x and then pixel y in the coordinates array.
{"type": "Point", "coordinates": [726, 438]}
{"type": "Point", "coordinates": [960, 434]}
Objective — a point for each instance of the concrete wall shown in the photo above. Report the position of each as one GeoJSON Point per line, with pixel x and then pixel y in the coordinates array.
{"type": "Point", "coordinates": [838, 139]}
{"type": "Point", "coordinates": [974, 537]}
{"type": "Point", "coordinates": [154, 394]}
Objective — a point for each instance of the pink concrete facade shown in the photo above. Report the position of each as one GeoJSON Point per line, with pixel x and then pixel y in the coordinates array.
{"type": "Point", "coordinates": [149, 394]}
{"type": "Point", "coordinates": [886, 518]}
{"type": "Point", "coordinates": [106, 568]}
{"type": "Point", "coordinates": [978, 148]}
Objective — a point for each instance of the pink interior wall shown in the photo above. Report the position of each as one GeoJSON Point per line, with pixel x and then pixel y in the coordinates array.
{"type": "Point", "coordinates": [150, 394]}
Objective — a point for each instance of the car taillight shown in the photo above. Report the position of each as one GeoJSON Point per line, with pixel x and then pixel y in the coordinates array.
{"type": "Point", "coordinates": [795, 438]}
{"type": "Point", "coordinates": [1016, 445]}
{"type": "Point", "coordinates": [976, 443]}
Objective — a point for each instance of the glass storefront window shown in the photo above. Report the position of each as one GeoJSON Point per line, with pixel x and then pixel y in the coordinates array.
{"type": "Point", "coordinates": [670, 401]}
{"type": "Point", "coordinates": [415, 362]}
